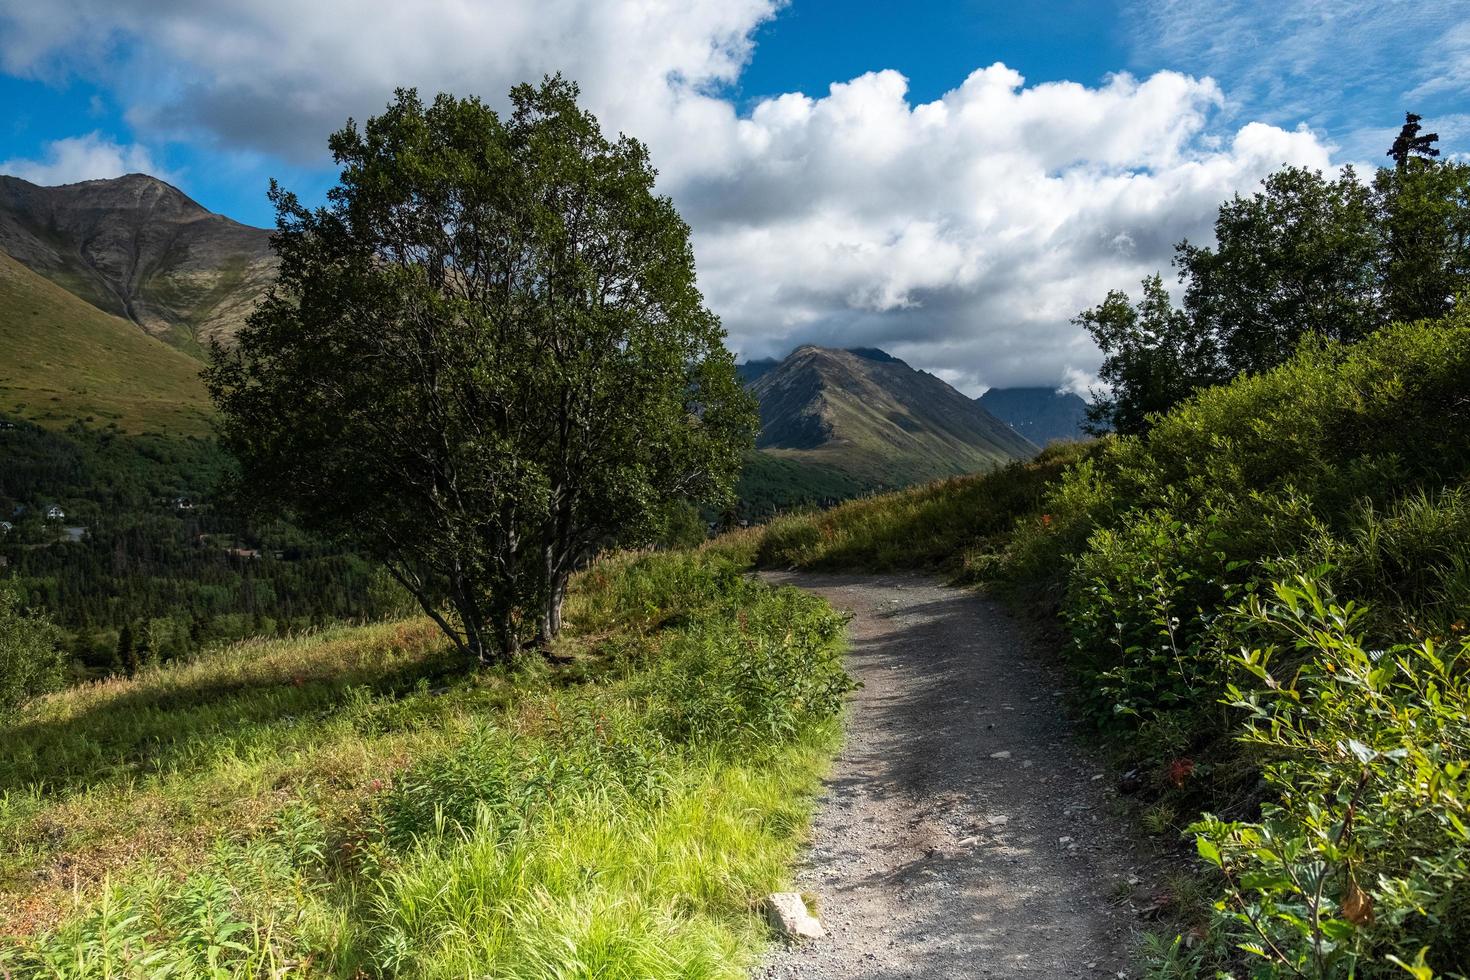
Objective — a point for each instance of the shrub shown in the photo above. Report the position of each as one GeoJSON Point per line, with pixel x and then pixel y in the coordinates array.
{"type": "Point", "coordinates": [31, 661]}
{"type": "Point", "coordinates": [1363, 859]}
{"type": "Point", "coordinates": [1353, 455]}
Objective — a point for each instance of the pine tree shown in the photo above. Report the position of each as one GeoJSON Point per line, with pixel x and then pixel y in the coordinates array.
{"type": "Point", "coordinates": [1410, 144]}
{"type": "Point", "coordinates": [127, 654]}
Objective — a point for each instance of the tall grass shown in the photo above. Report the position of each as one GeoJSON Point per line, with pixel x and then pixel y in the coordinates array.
{"type": "Point", "coordinates": [353, 804]}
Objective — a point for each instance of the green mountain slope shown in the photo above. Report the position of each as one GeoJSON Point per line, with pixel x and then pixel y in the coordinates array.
{"type": "Point", "coordinates": [62, 359]}
{"type": "Point", "coordinates": [142, 250]}
{"type": "Point", "coordinates": [1042, 415]}
{"type": "Point", "coordinates": [876, 419]}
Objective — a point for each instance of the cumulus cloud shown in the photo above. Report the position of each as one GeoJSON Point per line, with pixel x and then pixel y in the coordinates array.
{"type": "Point", "coordinates": [962, 234]}
{"type": "Point", "coordinates": [88, 157]}
{"type": "Point", "coordinates": [965, 233]}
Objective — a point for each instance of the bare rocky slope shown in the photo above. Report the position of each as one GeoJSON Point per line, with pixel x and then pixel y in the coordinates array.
{"type": "Point", "coordinates": [870, 415]}
{"type": "Point", "coordinates": [140, 249]}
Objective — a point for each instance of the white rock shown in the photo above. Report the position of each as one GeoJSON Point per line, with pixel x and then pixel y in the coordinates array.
{"type": "Point", "coordinates": [788, 915]}
{"type": "Point", "coordinates": [1000, 755]}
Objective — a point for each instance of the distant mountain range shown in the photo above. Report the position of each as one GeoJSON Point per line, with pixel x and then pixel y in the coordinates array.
{"type": "Point", "coordinates": [140, 249]}
{"type": "Point", "coordinates": [1042, 415]}
{"type": "Point", "coordinates": [869, 415]}
{"type": "Point", "coordinates": [110, 291]}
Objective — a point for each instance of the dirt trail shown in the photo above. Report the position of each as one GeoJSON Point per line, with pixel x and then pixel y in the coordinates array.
{"type": "Point", "coordinates": [963, 831]}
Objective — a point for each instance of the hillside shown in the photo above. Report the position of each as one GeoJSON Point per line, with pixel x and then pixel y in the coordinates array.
{"type": "Point", "coordinates": [141, 250]}
{"type": "Point", "coordinates": [1042, 415]}
{"type": "Point", "coordinates": [870, 415]}
{"type": "Point", "coordinates": [65, 360]}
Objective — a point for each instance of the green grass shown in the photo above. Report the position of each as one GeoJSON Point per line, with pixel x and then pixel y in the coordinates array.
{"type": "Point", "coordinates": [353, 803]}
{"type": "Point", "coordinates": [955, 526]}
{"type": "Point", "coordinates": [66, 360]}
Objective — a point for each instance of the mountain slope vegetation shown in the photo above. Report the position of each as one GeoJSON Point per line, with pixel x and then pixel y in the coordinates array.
{"type": "Point", "coordinates": [870, 415]}
{"type": "Point", "coordinates": [67, 360]}
{"type": "Point", "coordinates": [140, 249]}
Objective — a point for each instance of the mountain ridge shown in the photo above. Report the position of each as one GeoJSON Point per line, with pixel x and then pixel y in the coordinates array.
{"type": "Point", "coordinates": [871, 415]}
{"type": "Point", "coordinates": [141, 249]}
{"type": "Point", "coordinates": [1041, 414]}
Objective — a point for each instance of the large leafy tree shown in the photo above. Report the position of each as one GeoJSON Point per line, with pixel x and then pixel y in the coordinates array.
{"type": "Point", "coordinates": [1152, 357]}
{"type": "Point", "coordinates": [1424, 216]}
{"type": "Point", "coordinates": [1295, 258]}
{"type": "Point", "coordinates": [484, 359]}
{"type": "Point", "coordinates": [1303, 257]}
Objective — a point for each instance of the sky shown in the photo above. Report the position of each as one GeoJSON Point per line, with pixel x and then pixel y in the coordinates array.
{"type": "Point", "coordinates": [951, 181]}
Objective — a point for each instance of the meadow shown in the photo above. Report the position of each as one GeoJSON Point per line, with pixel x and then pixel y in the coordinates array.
{"type": "Point", "coordinates": [352, 802]}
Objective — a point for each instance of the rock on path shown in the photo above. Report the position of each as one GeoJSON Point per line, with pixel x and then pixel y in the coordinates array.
{"type": "Point", "coordinates": [963, 831]}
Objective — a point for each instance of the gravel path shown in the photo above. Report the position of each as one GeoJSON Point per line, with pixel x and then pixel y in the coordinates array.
{"type": "Point", "coordinates": [963, 831]}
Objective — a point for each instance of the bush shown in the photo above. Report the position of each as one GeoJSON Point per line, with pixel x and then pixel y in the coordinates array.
{"type": "Point", "coordinates": [1362, 862]}
{"type": "Point", "coordinates": [31, 661]}
{"type": "Point", "coordinates": [1349, 455]}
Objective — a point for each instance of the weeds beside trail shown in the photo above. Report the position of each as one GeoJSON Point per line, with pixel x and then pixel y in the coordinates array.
{"type": "Point", "coordinates": [352, 803]}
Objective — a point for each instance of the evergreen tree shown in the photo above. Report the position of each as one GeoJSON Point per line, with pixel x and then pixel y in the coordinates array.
{"type": "Point", "coordinates": [127, 654]}
{"type": "Point", "coordinates": [1412, 145]}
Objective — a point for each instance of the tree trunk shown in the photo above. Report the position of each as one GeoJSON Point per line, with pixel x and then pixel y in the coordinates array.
{"type": "Point", "coordinates": [556, 595]}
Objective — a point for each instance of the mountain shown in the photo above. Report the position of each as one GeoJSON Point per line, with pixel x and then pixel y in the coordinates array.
{"type": "Point", "coordinates": [64, 359]}
{"type": "Point", "coordinates": [751, 371]}
{"type": "Point", "coordinates": [1042, 415]}
{"type": "Point", "coordinates": [142, 250]}
{"type": "Point", "coordinates": [869, 415]}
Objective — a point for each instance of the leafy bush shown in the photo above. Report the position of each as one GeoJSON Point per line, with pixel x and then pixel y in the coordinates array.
{"type": "Point", "coordinates": [30, 661]}
{"type": "Point", "coordinates": [1362, 862]}
{"type": "Point", "coordinates": [1352, 455]}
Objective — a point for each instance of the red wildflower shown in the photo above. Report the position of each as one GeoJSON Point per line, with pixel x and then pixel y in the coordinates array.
{"type": "Point", "coordinates": [1180, 770]}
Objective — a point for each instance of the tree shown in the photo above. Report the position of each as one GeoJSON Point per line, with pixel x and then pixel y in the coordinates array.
{"type": "Point", "coordinates": [484, 359]}
{"type": "Point", "coordinates": [1411, 146]}
{"type": "Point", "coordinates": [1424, 220]}
{"type": "Point", "coordinates": [31, 661]}
{"type": "Point", "coordinates": [1296, 258]}
{"type": "Point", "coordinates": [1153, 357]}
{"type": "Point", "coordinates": [126, 659]}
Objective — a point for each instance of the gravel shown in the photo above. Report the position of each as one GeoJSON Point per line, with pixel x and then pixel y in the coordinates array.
{"type": "Point", "coordinates": [963, 831]}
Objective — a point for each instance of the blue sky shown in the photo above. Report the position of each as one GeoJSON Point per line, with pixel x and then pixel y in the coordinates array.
{"type": "Point", "coordinates": [955, 180]}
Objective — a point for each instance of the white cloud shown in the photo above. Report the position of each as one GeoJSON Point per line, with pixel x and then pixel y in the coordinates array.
{"type": "Point", "coordinates": [77, 158]}
{"type": "Point", "coordinates": [965, 233]}
{"type": "Point", "coordinates": [962, 234]}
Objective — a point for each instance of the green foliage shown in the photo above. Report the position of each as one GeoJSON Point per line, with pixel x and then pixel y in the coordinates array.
{"type": "Point", "coordinates": [1295, 259]}
{"type": "Point", "coordinates": [1363, 858]}
{"type": "Point", "coordinates": [146, 565]}
{"type": "Point", "coordinates": [1348, 454]}
{"type": "Point", "coordinates": [1304, 257]}
{"type": "Point", "coordinates": [958, 525]}
{"type": "Point", "coordinates": [352, 804]}
{"type": "Point", "coordinates": [1153, 357]}
{"type": "Point", "coordinates": [771, 485]}
{"type": "Point", "coordinates": [30, 661]}
{"type": "Point", "coordinates": [486, 359]}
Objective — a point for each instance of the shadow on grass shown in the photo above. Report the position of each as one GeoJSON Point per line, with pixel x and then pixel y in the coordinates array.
{"type": "Point", "coordinates": [152, 728]}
